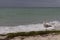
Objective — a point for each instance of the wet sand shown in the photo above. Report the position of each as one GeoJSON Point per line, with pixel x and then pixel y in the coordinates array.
{"type": "Point", "coordinates": [37, 37]}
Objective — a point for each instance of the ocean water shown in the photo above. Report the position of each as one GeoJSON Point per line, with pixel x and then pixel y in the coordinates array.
{"type": "Point", "coordinates": [31, 19]}
{"type": "Point", "coordinates": [22, 16]}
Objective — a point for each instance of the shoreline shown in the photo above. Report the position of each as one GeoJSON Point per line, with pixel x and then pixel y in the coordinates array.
{"type": "Point", "coordinates": [29, 35]}
{"type": "Point", "coordinates": [36, 37]}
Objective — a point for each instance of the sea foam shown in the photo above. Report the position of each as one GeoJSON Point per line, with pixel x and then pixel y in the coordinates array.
{"type": "Point", "coordinates": [28, 28]}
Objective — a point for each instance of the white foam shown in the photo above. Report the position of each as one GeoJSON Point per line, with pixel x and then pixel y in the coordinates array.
{"type": "Point", "coordinates": [28, 28]}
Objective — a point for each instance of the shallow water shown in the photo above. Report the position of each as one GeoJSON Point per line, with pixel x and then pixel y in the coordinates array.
{"type": "Point", "coordinates": [30, 27]}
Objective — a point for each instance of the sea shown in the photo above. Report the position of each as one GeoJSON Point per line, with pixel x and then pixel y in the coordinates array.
{"type": "Point", "coordinates": [23, 19]}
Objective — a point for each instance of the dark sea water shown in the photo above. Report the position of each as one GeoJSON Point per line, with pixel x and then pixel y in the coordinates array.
{"type": "Point", "coordinates": [22, 16]}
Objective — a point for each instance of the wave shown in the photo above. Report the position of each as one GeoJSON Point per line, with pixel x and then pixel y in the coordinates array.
{"type": "Point", "coordinates": [30, 27]}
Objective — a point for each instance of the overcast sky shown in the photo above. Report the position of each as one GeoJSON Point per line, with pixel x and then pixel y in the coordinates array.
{"type": "Point", "coordinates": [29, 3]}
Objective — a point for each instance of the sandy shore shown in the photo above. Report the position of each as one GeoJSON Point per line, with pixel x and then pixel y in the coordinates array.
{"type": "Point", "coordinates": [37, 37]}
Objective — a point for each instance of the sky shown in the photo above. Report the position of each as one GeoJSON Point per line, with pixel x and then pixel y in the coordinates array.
{"type": "Point", "coordinates": [29, 3]}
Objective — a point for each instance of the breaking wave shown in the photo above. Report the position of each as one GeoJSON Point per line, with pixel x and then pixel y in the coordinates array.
{"type": "Point", "coordinates": [30, 27]}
